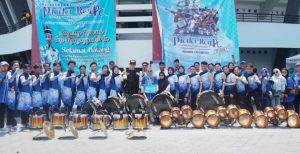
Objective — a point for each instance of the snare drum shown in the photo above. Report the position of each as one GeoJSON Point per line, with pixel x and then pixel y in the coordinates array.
{"type": "Point", "coordinates": [140, 122]}
{"type": "Point", "coordinates": [36, 121]}
{"type": "Point", "coordinates": [96, 118]}
{"type": "Point", "coordinates": [58, 120]}
{"type": "Point", "coordinates": [80, 121]}
{"type": "Point", "coordinates": [120, 121]}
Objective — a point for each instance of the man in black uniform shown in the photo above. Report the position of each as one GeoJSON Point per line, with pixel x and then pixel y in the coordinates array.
{"type": "Point", "coordinates": [131, 85]}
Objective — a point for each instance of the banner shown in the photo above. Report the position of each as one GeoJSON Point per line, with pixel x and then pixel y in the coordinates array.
{"type": "Point", "coordinates": [198, 30]}
{"type": "Point", "coordinates": [79, 30]}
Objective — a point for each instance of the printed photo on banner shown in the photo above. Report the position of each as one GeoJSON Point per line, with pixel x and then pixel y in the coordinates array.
{"type": "Point", "coordinates": [198, 30]}
{"type": "Point", "coordinates": [83, 31]}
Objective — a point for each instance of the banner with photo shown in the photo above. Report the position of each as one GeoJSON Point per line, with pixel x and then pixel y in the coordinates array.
{"type": "Point", "coordinates": [79, 30]}
{"type": "Point", "coordinates": [198, 30]}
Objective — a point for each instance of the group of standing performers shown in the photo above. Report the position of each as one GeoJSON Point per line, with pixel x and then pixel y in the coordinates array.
{"type": "Point", "coordinates": [47, 88]}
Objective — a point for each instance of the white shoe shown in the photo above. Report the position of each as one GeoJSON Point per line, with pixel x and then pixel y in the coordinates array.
{"type": "Point", "coordinates": [4, 130]}
{"type": "Point", "coordinates": [14, 129]}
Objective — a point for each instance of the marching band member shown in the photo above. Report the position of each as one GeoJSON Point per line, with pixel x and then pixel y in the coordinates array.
{"type": "Point", "coordinates": [266, 88]}
{"type": "Point", "coordinates": [93, 79]}
{"type": "Point", "coordinates": [132, 80]}
{"type": "Point", "coordinates": [241, 83]}
{"type": "Point", "coordinates": [3, 93]}
{"type": "Point", "coordinates": [289, 94]}
{"type": "Point", "coordinates": [218, 81]}
{"type": "Point", "coordinates": [176, 65]}
{"type": "Point", "coordinates": [194, 87]}
{"type": "Point", "coordinates": [116, 82]}
{"type": "Point", "coordinates": [296, 77]}
{"type": "Point", "coordinates": [183, 86]}
{"type": "Point", "coordinates": [231, 67]}
{"type": "Point", "coordinates": [69, 87]}
{"type": "Point", "coordinates": [104, 84]}
{"type": "Point", "coordinates": [162, 68]}
{"type": "Point", "coordinates": [13, 90]}
{"type": "Point", "coordinates": [211, 68]}
{"type": "Point", "coordinates": [253, 89]}
{"type": "Point", "coordinates": [197, 67]}
{"type": "Point", "coordinates": [145, 67]}
{"type": "Point", "coordinates": [24, 104]}
{"type": "Point", "coordinates": [45, 82]}
{"type": "Point", "coordinates": [163, 83]}
{"type": "Point", "coordinates": [55, 86]}
{"type": "Point", "coordinates": [36, 88]}
{"type": "Point", "coordinates": [206, 77]}
{"type": "Point", "coordinates": [229, 83]}
{"type": "Point", "coordinates": [81, 87]}
{"type": "Point", "coordinates": [243, 67]}
{"type": "Point", "coordinates": [173, 81]}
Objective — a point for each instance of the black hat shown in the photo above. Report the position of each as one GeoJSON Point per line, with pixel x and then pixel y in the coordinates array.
{"type": "Point", "coordinates": [243, 62]}
{"type": "Point", "coordinates": [47, 30]}
{"type": "Point", "coordinates": [132, 62]}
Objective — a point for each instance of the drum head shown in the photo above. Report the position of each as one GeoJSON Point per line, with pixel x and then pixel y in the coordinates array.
{"type": "Point", "coordinates": [135, 102]}
{"type": "Point", "coordinates": [162, 102]}
{"type": "Point", "coordinates": [209, 100]}
{"type": "Point", "coordinates": [112, 104]}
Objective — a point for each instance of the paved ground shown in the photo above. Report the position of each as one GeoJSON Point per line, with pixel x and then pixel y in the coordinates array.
{"type": "Point", "coordinates": [179, 140]}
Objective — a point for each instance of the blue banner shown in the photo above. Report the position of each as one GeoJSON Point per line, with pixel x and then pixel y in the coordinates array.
{"type": "Point", "coordinates": [198, 30]}
{"type": "Point", "coordinates": [79, 30]}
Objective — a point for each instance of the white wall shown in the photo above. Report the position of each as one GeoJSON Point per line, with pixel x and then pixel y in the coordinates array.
{"type": "Point", "coordinates": [17, 41]}
{"type": "Point", "coordinates": [268, 35]}
{"type": "Point", "coordinates": [259, 57]}
{"type": "Point", "coordinates": [139, 50]}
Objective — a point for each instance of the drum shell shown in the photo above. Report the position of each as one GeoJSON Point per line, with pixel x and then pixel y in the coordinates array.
{"type": "Point", "coordinates": [293, 119]}
{"type": "Point", "coordinates": [198, 119]}
{"type": "Point", "coordinates": [58, 119]}
{"type": "Point", "coordinates": [281, 112]}
{"type": "Point", "coordinates": [222, 112]}
{"type": "Point", "coordinates": [36, 121]}
{"type": "Point", "coordinates": [269, 112]}
{"type": "Point", "coordinates": [245, 119]}
{"type": "Point", "coordinates": [80, 121]}
{"type": "Point", "coordinates": [95, 124]}
{"type": "Point", "coordinates": [233, 111]}
{"type": "Point", "coordinates": [140, 123]}
{"type": "Point", "coordinates": [175, 112]}
{"type": "Point", "coordinates": [260, 119]}
{"type": "Point", "coordinates": [118, 123]}
{"type": "Point", "coordinates": [165, 119]}
{"type": "Point", "coordinates": [186, 112]}
{"type": "Point", "coordinates": [212, 118]}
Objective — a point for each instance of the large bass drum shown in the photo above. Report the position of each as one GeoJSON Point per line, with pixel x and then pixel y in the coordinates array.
{"type": "Point", "coordinates": [135, 103]}
{"type": "Point", "coordinates": [112, 105]}
{"type": "Point", "coordinates": [162, 102]}
{"type": "Point", "coordinates": [209, 100]}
